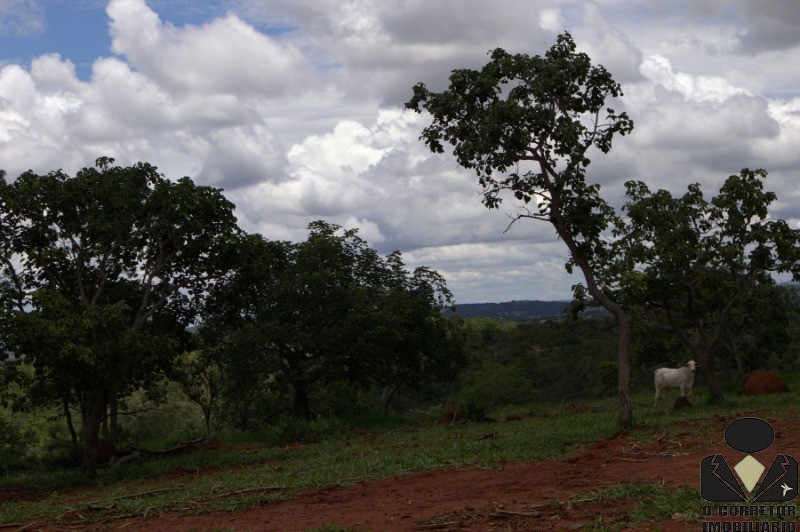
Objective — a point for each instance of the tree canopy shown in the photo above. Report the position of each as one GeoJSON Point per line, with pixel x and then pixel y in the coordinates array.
{"type": "Point", "coordinates": [328, 309]}
{"type": "Point", "coordinates": [704, 265]}
{"type": "Point", "coordinates": [102, 273]}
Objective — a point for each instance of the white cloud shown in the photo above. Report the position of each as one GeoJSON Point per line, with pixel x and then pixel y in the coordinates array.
{"type": "Point", "coordinates": [552, 20]}
{"type": "Point", "coordinates": [658, 69]}
{"type": "Point", "coordinates": [225, 56]}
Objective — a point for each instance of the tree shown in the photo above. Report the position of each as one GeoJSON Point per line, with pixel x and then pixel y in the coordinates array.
{"type": "Point", "coordinates": [412, 341]}
{"type": "Point", "coordinates": [329, 309]}
{"type": "Point", "coordinates": [703, 263]}
{"type": "Point", "coordinates": [759, 330]}
{"type": "Point", "coordinates": [107, 270]}
{"type": "Point", "coordinates": [201, 380]}
{"type": "Point", "coordinates": [533, 120]}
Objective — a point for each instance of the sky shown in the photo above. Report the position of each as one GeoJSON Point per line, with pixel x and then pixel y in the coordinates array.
{"type": "Point", "coordinates": [295, 109]}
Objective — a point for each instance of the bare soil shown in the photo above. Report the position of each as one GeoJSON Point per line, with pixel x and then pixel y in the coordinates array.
{"type": "Point", "coordinates": [510, 496]}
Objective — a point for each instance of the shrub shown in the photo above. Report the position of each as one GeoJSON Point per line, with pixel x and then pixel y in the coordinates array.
{"type": "Point", "coordinates": [491, 385]}
{"type": "Point", "coordinates": [12, 444]}
{"type": "Point", "coordinates": [606, 378]}
{"type": "Point", "coordinates": [290, 431]}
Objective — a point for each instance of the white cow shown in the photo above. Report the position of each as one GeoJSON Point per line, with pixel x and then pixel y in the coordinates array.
{"type": "Point", "coordinates": [682, 378]}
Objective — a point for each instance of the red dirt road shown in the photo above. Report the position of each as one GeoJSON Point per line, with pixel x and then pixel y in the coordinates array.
{"type": "Point", "coordinates": [519, 496]}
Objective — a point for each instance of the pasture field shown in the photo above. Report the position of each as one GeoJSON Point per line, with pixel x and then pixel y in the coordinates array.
{"type": "Point", "coordinates": [233, 474]}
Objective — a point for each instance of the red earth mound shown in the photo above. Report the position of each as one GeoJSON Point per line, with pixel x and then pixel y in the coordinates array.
{"type": "Point", "coordinates": [760, 382]}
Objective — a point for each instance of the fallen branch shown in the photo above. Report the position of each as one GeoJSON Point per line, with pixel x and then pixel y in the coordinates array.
{"type": "Point", "coordinates": [99, 507]}
{"type": "Point", "coordinates": [436, 526]}
{"type": "Point", "coordinates": [500, 514]}
{"type": "Point", "coordinates": [127, 458]}
{"type": "Point", "coordinates": [657, 455]}
{"type": "Point", "coordinates": [177, 447]}
{"type": "Point", "coordinates": [537, 506]}
{"type": "Point", "coordinates": [667, 455]}
{"type": "Point", "coordinates": [134, 495]}
{"type": "Point", "coordinates": [238, 492]}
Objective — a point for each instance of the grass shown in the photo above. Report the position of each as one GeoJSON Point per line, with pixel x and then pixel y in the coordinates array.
{"type": "Point", "coordinates": [654, 502]}
{"type": "Point", "coordinates": [262, 467]}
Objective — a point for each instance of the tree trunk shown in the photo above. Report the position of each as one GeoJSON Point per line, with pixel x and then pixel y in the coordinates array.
{"type": "Point", "coordinates": [207, 417]}
{"type": "Point", "coordinates": [386, 398]}
{"type": "Point", "coordinates": [301, 408]}
{"type": "Point", "coordinates": [624, 338]}
{"type": "Point", "coordinates": [625, 334]}
{"type": "Point", "coordinates": [726, 366]}
{"type": "Point", "coordinates": [739, 365]}
{"type": "Point", "coordinates": [713, 386]}
{"type": "Point", "coordinates": [94, 410]}
{"type": "Point", "coordinates": [113, 420]}
{"type": "Point", "coordinates": [624, 319]}
{"type": "Point", "coordinates": [104, 425]}
{"type": "Point", "coordinates": [70, 426]}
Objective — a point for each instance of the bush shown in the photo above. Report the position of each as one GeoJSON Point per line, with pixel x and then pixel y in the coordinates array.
{"type": "Point", "coordinates": [606, 378]}
{"type": "Point", "coordinates": [166, 416]}
{"type": "Point", "coordinates": [491, 385]}
{"type": "Point", "coordinates": [290, 431]}
{"type": "Point", "coordinates": [12, 444]}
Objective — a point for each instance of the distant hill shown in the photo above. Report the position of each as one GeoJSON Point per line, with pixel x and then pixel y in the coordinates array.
{"type": "Point", "coordinates": [543, 310]}
{"type": "Point", "coordinates": [513, 310]}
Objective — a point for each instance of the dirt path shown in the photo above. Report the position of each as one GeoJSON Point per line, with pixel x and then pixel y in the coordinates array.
{"type": "Point", "coordinates": [487, 499]}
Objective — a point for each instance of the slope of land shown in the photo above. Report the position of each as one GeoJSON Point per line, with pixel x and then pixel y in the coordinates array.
{"type": "Point", "coordinates": [610, 483]}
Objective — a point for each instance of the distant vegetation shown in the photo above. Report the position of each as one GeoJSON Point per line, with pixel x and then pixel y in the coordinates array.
{"type": "Point", "coordinates": [513, 310]}
{"type": "Point", "coordinates": [521, 311]}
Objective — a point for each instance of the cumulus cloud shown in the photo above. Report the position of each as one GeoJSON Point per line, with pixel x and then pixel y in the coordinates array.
{"type": "Point", "coordinates": [658, 69]}
{"type": "Point", "coordinates": [225, 55]}
{"type": "Point", "coordinates": [139, 105]}
{"type": "Point", "coordinates": [382, 49]}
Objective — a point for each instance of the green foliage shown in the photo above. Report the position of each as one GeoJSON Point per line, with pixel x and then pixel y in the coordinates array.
{"type": "Point", "coordinates": [34, 439]}
{"type": "Point", "coordinates": [290, 431]}
{"type": "Point", "coordinates": [533, 121]}
{"type": "Point", "coordinates": [607, 378]}
{"type": "Point", "coordinates": [654, 501]}
{"type": "Point", "coordinates": [101, 274]}
{"type": "Point", "coordinates": [704, 266]}
{"type": "Point", "coordinates": [160, 416]}
{"type": "Point", "coordinates": [12, 444]}
{"type": "Point", "coordinates": [548, 362]}
{"type": "Point", "coordinates": [201, 380]}
{"type": "Point", "coordinates": [491, 385]}
{"type": "Point", "coordinates": [324, 314]}
{"type": "Point", "coordinates": [344, 455]}
{"type": "Point", "coordinates": [536, 117]}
